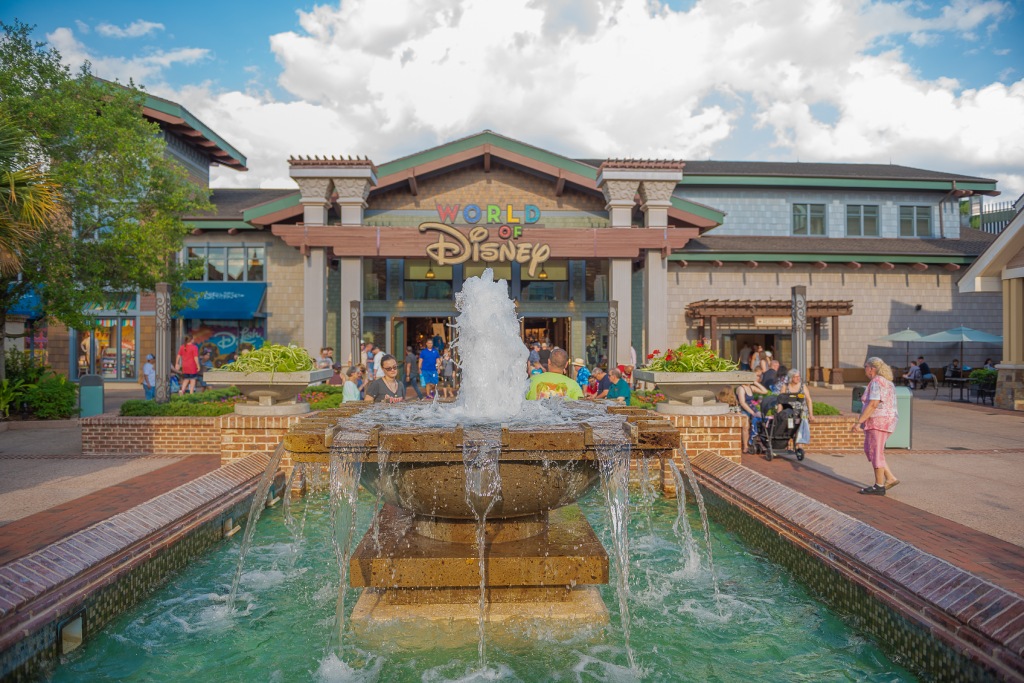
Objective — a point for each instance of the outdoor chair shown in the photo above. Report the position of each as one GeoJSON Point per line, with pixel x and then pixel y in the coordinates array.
{"type": "Point", "coordinates": [985, 391]}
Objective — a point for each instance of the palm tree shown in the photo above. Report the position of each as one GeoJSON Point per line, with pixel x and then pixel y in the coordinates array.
{"type": "Point", "coordinates": [29, 198]}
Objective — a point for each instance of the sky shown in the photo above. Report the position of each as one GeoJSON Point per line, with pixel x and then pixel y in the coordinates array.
{"type": "Point", "coordinates": [936, 84]}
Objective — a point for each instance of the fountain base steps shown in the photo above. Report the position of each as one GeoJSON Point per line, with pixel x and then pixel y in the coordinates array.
{"type": "Point", "coordinates": [373, 616]}
{"type": "Point", "coordinates": [567, 553]}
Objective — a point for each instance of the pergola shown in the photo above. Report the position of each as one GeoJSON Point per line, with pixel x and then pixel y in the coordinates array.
{"type": "Point", "coordinates": [710, 310]}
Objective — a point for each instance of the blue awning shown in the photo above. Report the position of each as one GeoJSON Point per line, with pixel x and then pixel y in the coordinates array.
{"type": "Point", "coordinates": [225, 300]}
{"type": "Point", "coordinates": [28, 306]}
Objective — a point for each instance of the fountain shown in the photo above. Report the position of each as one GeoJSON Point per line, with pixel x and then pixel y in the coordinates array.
{"type": "Point", "coordinates": [477, 517]}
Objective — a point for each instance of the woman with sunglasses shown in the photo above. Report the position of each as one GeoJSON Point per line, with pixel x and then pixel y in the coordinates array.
{"type": "Point", "coordinates": [386, 389]}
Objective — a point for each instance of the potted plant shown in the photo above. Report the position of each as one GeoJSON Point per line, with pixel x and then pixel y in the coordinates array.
{"type": "Point", "coordinates": [271, 377]}
{"type": "Point", "coordinates": [691, 376]}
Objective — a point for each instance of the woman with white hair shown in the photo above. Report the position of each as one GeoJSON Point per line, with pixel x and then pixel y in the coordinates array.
{"type": "Point", "coordinates": [878, 420]}
{"type": "Point", "coordinates": [793, 383]}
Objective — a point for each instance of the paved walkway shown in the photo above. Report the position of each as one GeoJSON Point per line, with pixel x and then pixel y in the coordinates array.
{"type": "Point", "coordinates": [960, 498]}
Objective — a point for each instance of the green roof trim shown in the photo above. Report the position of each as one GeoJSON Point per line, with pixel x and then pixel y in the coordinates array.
{"type": "Point", "coordinates": [487, 138]}
{"type": "Point", "coordinates": [174, 109]}
{"type": "Point", "coordinates": [270, 207]}
{"type": "Point", "coordinates": [846, 183]}
{"type": "Point", "coordinates": [220, 225]}
{"type": "Point", "coordinates": [698, 210]}
{"type": "Point", "coordinates": [812, 258]}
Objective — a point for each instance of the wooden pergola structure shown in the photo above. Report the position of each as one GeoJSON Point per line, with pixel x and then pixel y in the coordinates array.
{"type": "Point", "coordinates": [709, 311]}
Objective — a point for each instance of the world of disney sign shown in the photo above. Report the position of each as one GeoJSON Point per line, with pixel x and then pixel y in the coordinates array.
{"type": "Point", "coordinates": [453, 247]}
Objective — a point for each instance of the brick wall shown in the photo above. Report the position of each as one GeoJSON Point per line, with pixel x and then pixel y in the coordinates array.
{"type": "Point", "coordinates": [150, 435]}
{"type": "Point", "coordinates": [233, 437]}
{"type": "Point", "coordinates": [242, 435]}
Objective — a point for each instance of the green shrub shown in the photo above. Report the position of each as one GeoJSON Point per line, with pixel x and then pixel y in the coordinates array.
{"type": "Point", "coordinates": [205, 404]}
{"type": "Point", "coordinates": [19, 365]}
{"type": "Point", "coordinates": [825, 409]}
{"type": "Point", "coordinates": [984, 377]}
{"type": "Point", "coordinates": [53, 398]}
{"type": "Point", "coordinates": [12, 394]}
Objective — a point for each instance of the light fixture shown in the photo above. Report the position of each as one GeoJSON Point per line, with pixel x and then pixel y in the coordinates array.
{"type": "Point", "coordinates": [430, 273]}
{"type": "Point", "coordinates": [543, 274]}
{"type": "Point", "coordinates": [572, 301]}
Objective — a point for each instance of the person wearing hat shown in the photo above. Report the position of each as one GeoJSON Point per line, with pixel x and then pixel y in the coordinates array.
{"type": "Point", "coordinates": [582, 374]}
{"type": "Point", "coordinates": [149, 377]}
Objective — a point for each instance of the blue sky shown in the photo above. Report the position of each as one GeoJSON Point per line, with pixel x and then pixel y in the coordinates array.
{"type": "Point", "coordinates": [937, 85]}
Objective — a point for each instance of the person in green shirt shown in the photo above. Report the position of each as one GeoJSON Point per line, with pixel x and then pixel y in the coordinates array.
{"type": "Point", "coordinates": [620, 387]}
{"type": "Point", "coordinates": [554, 382]}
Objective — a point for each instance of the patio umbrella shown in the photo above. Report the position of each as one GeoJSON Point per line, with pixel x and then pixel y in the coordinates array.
{"type": "Point", "coordinates": [908, 335]}
{"type": "Point", "coordinates": [961, 334]}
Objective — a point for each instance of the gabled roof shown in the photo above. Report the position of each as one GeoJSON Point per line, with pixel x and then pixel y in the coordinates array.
{"type": "Point", "coordinates": [986, 274]}
{"type": "Point", "coordinates": [179, 120]}
{"type": "Point", "coordinates": [560, 168]}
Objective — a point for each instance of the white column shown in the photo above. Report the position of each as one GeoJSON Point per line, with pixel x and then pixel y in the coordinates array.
{"type": "Point", "coordinates": [314, 298]}
{"type": "Point", "coordinates": [621, 290]}
{"type": "Point", "coordinates": [655, 303]}
{"type": "Point", "coordinates": [351, 290]}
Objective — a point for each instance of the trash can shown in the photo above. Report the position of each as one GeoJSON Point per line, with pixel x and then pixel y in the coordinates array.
{"type": "Point", "coordinates": [858, 394]}
{"type": "Point", "coordinates": [90, 395]}
{"type": "Point", "coordinates": [905, 405]}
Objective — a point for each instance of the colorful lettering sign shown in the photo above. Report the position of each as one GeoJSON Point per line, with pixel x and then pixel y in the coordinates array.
{"type": "Point", "coordinates": [492, 214]}
{"type": "Point", "coordinates": [475, 247]}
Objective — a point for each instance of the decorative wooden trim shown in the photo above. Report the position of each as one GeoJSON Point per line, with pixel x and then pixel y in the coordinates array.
{"type": "Point", "coordinates": [197, 231]}
{"type": "Point", "coordinates": [853, 265]}
{"type": "Point", "coordinates": [560, 185]}
{"type": "Point", "coordinates": [920, 267]}
{"type": "Point", "coordinates": [951, 267]}
{"type": "Point", "coordinates": [819, 265]}
{"type": "Point", "coordinates": [885, 265]}
{"type": "Point", "coordinates": [717, 264]}
{"type": "Point", "coordinates": [786, 264]}
{"type": "Point", "coordinates": [412, 185]}
{"type": "Point", "coordinates": [752, 264]}
{"type": "Point", "coordinates": [232, 231]}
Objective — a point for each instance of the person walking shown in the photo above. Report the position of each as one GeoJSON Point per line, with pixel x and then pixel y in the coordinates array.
{"type": "Point", "coordinates": [428, 367]}
{"type": "Point", "coordinates": [412, 373]}
{"type": "Point", "coordinates": [878, 420]}
{"type": "Point", "coordinates": [187, 364]}
{"type": "Point", "coordinates": [149, 377]}
{"type": "Point", "coordinates": [447, 384]}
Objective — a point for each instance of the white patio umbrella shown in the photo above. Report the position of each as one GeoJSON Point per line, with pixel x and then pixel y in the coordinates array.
{"type": "Point", "coordinates": [908, 335]}
{"type": "Point", "coordinates": [961, 334]}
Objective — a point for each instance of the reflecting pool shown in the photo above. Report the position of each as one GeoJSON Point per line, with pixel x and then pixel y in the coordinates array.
{"type": "Point", "coordinates": [762, 626]}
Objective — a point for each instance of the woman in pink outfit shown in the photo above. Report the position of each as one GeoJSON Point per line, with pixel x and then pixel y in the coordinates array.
{"type": "Point", "coordinates": [878, 419]}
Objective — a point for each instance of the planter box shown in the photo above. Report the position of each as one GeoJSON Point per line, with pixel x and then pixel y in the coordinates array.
{"type": "Point", "coordinates": [269, 393]}
{"type": "Point", "coordinates": [686, 386]}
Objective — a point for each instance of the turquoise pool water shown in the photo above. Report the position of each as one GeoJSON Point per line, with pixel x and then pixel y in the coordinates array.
{"type": "Point", "coordinates": [763, 627]}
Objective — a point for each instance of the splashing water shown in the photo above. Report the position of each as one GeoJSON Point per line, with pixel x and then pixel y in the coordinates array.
{"type": "Point", "coordinates": [259, 501]}
{"type": "Point", "coordinates": [491, 351]}
{"type": "Point", "coordinates": [483, 490]}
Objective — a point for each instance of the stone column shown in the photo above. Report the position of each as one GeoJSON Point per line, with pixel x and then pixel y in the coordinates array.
{"type": "Point", "coordinates": [655, 304]}
{"type": "Point", "coordinates": [799, 313]}
{"type": "Point", "coordinates": [1010, 382]}
{"type": "Point", "coordinates": [352, 194]}
{"type": "Point", "coordinates": [620, 290]}
{"type": "Point", "coordinates": [314, 306]}
{"type": "Point", "coordinates": [315, 198]}
{"type": "Point", "coordinates": [836, 380]}
{"type": "Point", "coordinates": [351, 293]}
{"type": "Point", "coordinates": [163, 352]}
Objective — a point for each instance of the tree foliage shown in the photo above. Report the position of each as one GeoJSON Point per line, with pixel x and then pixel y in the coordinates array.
{"type": "Point", "coordinates": [124, 195]}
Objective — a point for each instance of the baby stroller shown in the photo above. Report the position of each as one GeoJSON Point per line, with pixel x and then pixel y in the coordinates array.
{"type": "Point", "coordinates": [781, 415]}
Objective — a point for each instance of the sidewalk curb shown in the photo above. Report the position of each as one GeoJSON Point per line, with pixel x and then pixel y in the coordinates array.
{"type": "Point", "coordinates": [38, 424]}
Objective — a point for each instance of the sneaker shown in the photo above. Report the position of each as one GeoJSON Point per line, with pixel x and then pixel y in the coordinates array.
{"type": "Point", "coordinates": [873, 490]}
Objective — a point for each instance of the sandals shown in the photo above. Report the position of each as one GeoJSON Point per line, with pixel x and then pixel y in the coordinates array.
{"type": "Point", "coordinates": [873, 490]}
{"type": "Point", "coordinates": [890, 484]}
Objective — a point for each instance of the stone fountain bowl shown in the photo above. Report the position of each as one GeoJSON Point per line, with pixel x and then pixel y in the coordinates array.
{"type": "Point", "coordinates": [687, 386]}
{"type": "Point", "coordinates": [528, 488]}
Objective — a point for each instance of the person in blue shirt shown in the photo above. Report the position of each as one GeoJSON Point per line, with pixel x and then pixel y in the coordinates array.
{"type": "Point", "coordinates": [582, 374]}
{"type": "Point", "coordinates": [619, 389]}
{"type": "Point", "coordinates": [428, 367]}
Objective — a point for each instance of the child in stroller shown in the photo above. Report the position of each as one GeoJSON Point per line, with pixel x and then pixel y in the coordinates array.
{"type": "Point", "coordinates": [781, 415]}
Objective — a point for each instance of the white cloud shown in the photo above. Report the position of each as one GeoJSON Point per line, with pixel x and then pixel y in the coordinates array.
{"type": "Point", "coordinates": [145, 69]}
{"type": "Point", "coordinates": [622, 77]}
{"type": "Point", "coordinates": [136, 29]}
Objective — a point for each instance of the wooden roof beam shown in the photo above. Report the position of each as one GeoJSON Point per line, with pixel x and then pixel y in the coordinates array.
{"type": "Point", "coordinates": [752, 264]}
{"type": "Point", "coordinates": [920, 267]}
{"type": "Point", "coordinates": [885, 265]}
{"type": "Point", "coordinates": [951, 267]}
{"type": "Point", "coordinates": [853, 265]}
{"type": "Point", "coordinates": [786, 264]}
{"type": "Point", "coordinates": [560, 184]}
{"type": "Point", "coordinates": [412, 184]}
{"type": "Point", "coordinates": [820, 265]}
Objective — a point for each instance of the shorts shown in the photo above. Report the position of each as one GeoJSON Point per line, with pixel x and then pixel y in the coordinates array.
{"type": "Point", "coordinates": [874, 447]}
{"type": "Point", "coordinates": [446, 382]}
{"type": "Point", "coordinates": [429, 378]}
{"type": "Point", "coordinates": [190, 375]}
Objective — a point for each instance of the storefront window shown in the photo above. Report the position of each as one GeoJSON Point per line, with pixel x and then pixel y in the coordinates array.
{"type": "Point", "coordinates": [226, 338]}
{"type": "Point", "coordinates": [549, 283]}
{"type": "Point", "coordinates": [597, 341]}
{"type": "Point", "coordinates": [375, 279]}
{"type": "Point", "coordinates": [109, 349]}
{"type": "Point", "coordinates": [256, 260]}
{"type": "Point", "coordinates": [216, 258]}
{"type": "Point", "coordinates": [597, 280]}
{"type": "Point", "coordinates": [35, 342]}
{"type": "Point", "coordinates": [375, 331]}
{"type": "Point", "coordinates": [234, 264]}
{"type": "Point", "coordinates": [425, 281]}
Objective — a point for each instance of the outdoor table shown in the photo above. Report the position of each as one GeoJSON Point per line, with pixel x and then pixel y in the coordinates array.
{"type": "Point", "coordinates": [958, 383]}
